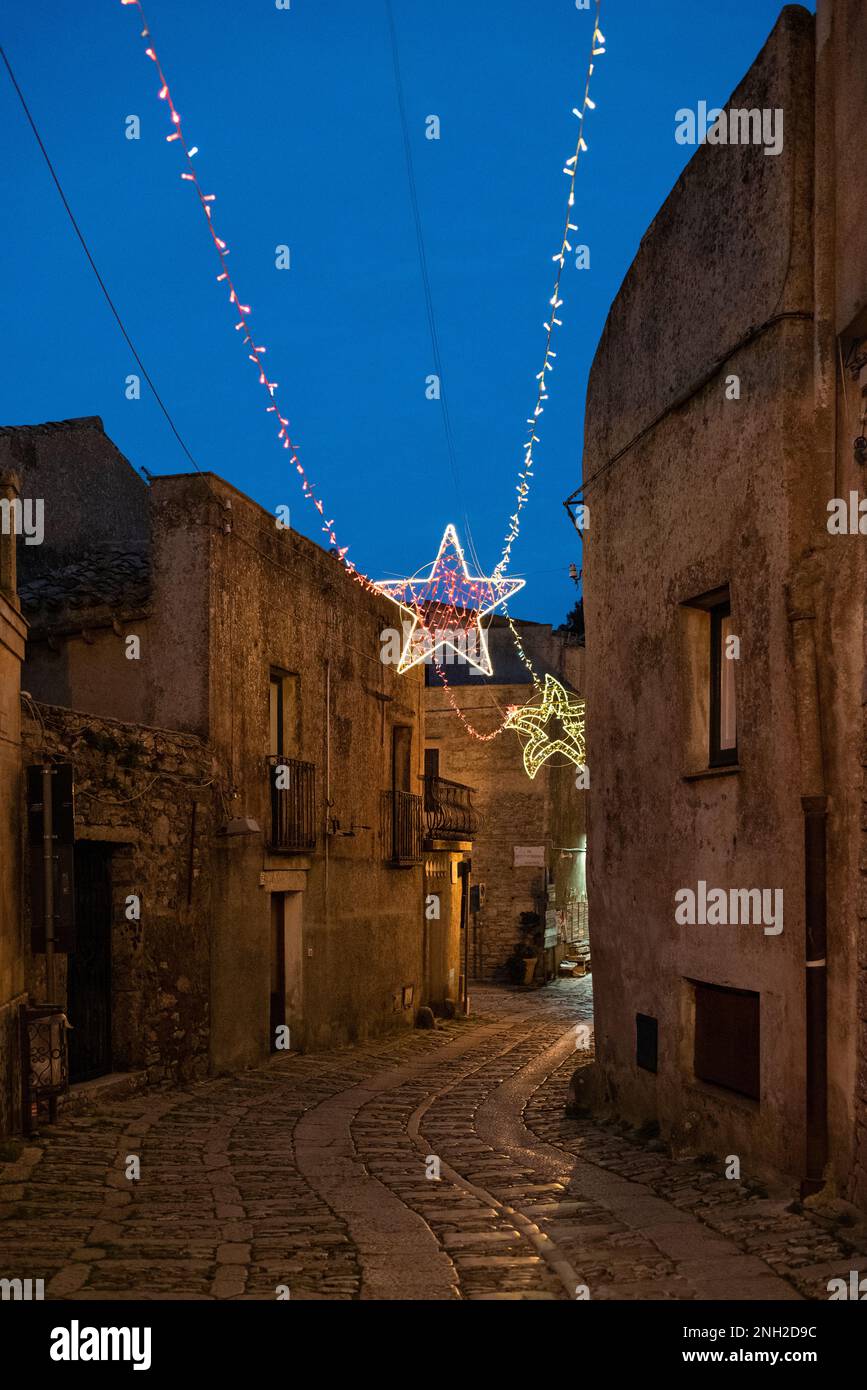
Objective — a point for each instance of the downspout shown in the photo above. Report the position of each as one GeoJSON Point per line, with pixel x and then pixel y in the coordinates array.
{"type": "Point", "coordinates": [814, 805]}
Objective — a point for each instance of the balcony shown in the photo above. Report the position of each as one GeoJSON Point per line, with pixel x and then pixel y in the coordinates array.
{"type": "Point", "coordinates": [293, 804]}
{"type": "Point", "coordinates": [448, 810]}
{"type": "Point", "coordinates": [401, 827]}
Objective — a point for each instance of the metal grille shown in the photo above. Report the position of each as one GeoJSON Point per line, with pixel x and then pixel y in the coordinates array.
{"type": "Point", "coordinates": [401, 827]}
{"type": "Point", "coordinates": [293, 803]}
{"type": "Point", "coordinates": [448, 810]}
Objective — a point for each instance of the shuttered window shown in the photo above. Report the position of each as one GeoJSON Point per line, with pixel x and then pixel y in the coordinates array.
{"type": "Point", "coordinates": [727, 1038]}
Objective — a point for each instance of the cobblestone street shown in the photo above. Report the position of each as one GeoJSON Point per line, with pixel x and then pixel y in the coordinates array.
{"type": "Point", "coordinates": [311, 1176]}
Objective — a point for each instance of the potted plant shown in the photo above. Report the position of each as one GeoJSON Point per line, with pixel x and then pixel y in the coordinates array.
{"type": "Point", "coordinates": [530, 962]}
{"type": "Point", "coordinates": [521, 965]}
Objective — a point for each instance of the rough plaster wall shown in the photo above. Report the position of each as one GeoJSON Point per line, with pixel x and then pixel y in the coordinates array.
{"type": "Point", "coordinates": [94, 673]}
{"type": "Point", "coordinates": [707, 497]}
{"type": "Point", "coordinates": [723, 254]}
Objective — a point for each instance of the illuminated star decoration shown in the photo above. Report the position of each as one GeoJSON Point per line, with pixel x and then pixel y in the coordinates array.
{"type": "Point", "coordinates": [533, 720]}
{"type": "Point", "coordinates": [448, 605]}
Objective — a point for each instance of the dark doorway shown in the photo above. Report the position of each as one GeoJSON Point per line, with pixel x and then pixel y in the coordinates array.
{"type": "Point", "coordinates": [89, 980]}
{"type": "Point", "coordinates": [278, 965]}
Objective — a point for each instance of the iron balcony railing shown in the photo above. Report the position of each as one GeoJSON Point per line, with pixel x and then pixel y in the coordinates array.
{"type": "Point", "coordinates": [293, 803]}
{"type": "Point", "coordinates": [448, 810]}
{"type": "Point", "coordinates": [401, 827]}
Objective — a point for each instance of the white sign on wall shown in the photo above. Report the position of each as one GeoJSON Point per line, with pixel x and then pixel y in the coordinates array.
{"type": "Point", "coordinates": [528, 856]}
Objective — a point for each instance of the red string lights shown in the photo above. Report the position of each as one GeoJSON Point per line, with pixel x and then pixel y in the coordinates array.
{"type": "Point", "coordinates": [243, 311]}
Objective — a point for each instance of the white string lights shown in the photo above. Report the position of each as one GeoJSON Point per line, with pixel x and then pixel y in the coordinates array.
{"type": "Point", "coordinates": [555, 303]}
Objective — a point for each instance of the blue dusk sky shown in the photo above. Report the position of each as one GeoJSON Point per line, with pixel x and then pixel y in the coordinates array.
{"type": "Point", "coordinates": [296, 117]}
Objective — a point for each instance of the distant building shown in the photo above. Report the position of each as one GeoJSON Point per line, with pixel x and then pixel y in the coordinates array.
{"type": "Point", "coordinates": [219, 679]}
{"type": "Point", "coordinates": [529, 841]}
{"type": "Point", "coordinates": [12, 954]}
{"type": "Point", "coordinates": [725, 627]}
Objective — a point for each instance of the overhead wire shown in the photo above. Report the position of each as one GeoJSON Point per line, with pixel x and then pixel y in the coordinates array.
{"type": "Point", "coordinates": [100, 281]}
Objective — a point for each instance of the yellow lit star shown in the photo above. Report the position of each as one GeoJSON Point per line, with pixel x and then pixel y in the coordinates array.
{"type": "Point", "coordinates": [448, 604]}
{"type": "Point", "coordinates": [533, 721]}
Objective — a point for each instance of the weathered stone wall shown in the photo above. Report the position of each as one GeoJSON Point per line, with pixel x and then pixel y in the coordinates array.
{"type": "Point", "coordinates": [547, 811]}
{"type": "Point", "coordinates": [93, 497]}
{"type": "Point", "coordinates": [135, 790]}
{"type": "Point", "coordinates": [276, 601]}
{"type": "Point", "coordinates": [217, 595]}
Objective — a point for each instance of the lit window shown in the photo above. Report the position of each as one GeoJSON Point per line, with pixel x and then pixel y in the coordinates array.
{"type": "Point", "coordinates": [723, 714]}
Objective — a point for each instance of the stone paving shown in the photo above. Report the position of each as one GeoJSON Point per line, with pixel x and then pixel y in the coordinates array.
{"type": "Point", "coordinates": [804, 1247]}
{"type": "Point", "coordinates": [429, 1165]}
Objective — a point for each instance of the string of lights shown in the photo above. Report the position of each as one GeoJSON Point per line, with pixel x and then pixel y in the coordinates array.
{"type": "Point", "coordinates": [526, 473]}
{"type": "Point", "coordinates": [243, 311]}
{"type": "Point", "coordinates": [570, 168]}
{"type": "Point", "coordinates": [94, 267]}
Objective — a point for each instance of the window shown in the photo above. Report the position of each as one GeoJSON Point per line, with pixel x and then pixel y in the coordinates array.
{"type": "Point", "coordinates": [283, 714]}
{"type": "Point", "coordinates": [431, 772]}
{"type": "Point", "coordinates": [727, 1039]}
{"type": "Point", "coordinates": [275, 703]}
{"type": "Point", "coordinates": [723, 720]}
{"type": "Point", "coordinates": [646, 1042]}
{"type": "Point", "coordinates": [401, 807]}
{"type": "Point", "coordinates": [711, 647]}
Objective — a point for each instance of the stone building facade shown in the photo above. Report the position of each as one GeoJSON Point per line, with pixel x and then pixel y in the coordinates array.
{"type": "Point", "coordinates": [529, 843]}
{"type": "Point", "coordinates": [135, 982]}
{"type": "Point", "coordinates": [12, 953]}
{"type": "Point", "coordinates": [725, 623]}
{"type": "Point", "coordinates": [183, 608]}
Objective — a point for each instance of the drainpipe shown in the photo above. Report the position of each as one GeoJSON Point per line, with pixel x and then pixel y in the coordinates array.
{"type": "Point", "coordinates": [48, 881]}
{"type": "Point", "coordinates": [816, 991]}
{"type": "Point", "coordinates": [814, 804]}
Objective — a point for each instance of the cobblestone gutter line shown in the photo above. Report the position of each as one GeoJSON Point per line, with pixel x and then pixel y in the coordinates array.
{"type": "Point", "coordinates": [524, 1225]}
{"type": "Point", "coordinates": [497, 1251]}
